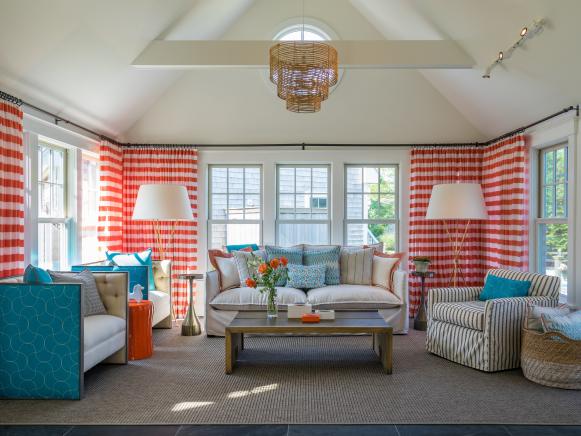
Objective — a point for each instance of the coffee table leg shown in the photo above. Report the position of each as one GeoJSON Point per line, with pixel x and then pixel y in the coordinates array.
{"type": "Point", "coordinates": [232, 343]}
{"type": "Point", "coordinates": [242, 341]}
{"type": "Point", "coordinates": [386, 351]}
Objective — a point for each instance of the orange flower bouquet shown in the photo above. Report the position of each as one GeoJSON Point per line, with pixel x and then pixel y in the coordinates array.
{"type": "Point", "coordinates": [267, 275]}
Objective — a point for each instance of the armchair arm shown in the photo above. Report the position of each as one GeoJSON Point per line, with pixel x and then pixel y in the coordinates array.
{"type": "Point", "coordinates": [503, 322]}
{"type": "Point", "coordinates": [451, 295]}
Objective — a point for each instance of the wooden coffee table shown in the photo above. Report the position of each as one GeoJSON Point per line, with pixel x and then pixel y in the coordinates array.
{"type": "Point", "coordinates": [347, 322]}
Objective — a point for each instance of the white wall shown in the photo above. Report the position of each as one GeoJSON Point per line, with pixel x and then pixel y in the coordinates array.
{"type": "Point", "coordinates": [269, 158]}
{"type": "Point", "coordinates": [562, 129]}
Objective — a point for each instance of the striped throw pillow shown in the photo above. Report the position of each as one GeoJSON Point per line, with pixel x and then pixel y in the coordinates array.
{"type": "Point", "coordinates": [356, 266]}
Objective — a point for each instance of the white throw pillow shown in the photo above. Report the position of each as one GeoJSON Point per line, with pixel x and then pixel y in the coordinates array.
{"type": "Point", "coordinates": [381, 271]}
{"type": "Point", "coordinates": [228, 273]}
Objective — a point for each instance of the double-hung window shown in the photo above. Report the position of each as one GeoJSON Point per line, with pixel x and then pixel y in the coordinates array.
{"type": "Point", "coordinates": [89, 197]}
{"type": "Point", "coordinates": [552, 227]}
{"type": "Point", "coordinates": [235, 205]}
{"type": "Point", "coordinates": [303, 204]}
{"type": "Point", "coordinates": [52, 206]}
{"type": "Point", "coordinates": [371, 205]}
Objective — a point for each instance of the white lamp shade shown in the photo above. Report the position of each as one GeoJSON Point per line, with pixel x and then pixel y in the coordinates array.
{"type": "Point", "coordinates": [457, 201]}
{"type": "Point", "coordinates": [163, 202]}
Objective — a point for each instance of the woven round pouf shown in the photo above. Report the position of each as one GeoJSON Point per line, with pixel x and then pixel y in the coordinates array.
{"type": "Point", "coordinates": [551, 359]}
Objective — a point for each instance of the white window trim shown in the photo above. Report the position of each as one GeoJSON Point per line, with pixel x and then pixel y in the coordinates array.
{"type": "Point", "coordinates": [396, 221]}
{"type": "Point", "coordinates": [212, 221]}
{"type": "Point", "coordinates": [279, 221]}
{"type": "Point", "coordinates": [539, 183]}
{"type": "Point", "coordinates": [69, 205]}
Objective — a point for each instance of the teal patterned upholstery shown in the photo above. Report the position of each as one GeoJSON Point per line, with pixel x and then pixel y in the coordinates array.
{"type": "Point", "coordinates": [41, 341]}
{"type": "Point", "coordinates": [328, 257]}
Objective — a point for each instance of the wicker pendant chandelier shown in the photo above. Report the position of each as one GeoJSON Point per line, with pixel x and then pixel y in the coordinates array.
{"type": "Point", "coordinates": [303, 72]}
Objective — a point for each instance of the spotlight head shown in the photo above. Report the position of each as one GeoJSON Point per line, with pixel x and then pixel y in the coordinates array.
{"type": "Point", "coordinates": [500, 55]}
{"type": "Point", "coordinates": [524, 31]}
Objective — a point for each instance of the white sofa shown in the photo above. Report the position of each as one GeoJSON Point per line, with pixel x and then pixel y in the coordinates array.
{"type": "Point", "coordinates": [222, 307]}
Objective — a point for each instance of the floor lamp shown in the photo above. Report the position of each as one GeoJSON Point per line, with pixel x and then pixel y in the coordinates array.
{"type": "Point", "coordinates": [166, 202]}
{"type": "Point", "coordinates": [452, 202]}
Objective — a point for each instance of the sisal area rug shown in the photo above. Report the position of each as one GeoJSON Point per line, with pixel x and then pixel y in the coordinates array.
{"type": "Point", "coordinates": [299, 380]}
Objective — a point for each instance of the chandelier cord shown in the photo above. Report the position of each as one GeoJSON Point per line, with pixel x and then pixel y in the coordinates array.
{"type": "Point", "coordinates": [303, 14]}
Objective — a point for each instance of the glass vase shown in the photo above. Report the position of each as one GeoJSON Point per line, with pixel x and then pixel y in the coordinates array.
{"type": "Point", "coordinates": [271, 305]}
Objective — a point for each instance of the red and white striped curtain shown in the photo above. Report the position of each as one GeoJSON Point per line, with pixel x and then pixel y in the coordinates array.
{"type": "Point", "coordinates": [159, 164]}
{"type": "Point", "coordinates": [505, 185]}
{"type": "Point", "coordinates": [11, 190]}
{"type": "Point", "coordinates": [431, 166]}
{"type": "Point", "coordinates": [110, 228]}
{"type": "Point", "coordinates": [499, 242]}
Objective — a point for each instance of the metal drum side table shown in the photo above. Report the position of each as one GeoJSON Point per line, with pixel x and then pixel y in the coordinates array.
{"type": "Point", "coordinates": [421, 320]}
{"type": "Point", "coordinates": [191, 325]}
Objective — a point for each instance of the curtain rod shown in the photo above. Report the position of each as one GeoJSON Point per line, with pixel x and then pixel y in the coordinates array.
{"type": "Point", "coordinates": [58, 119]}
{"type": "Point", "coordinates": [536, 123]}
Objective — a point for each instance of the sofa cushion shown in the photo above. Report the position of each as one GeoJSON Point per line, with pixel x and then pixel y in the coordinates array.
{"type": "Point", "coordinates": [352, 297]}
{"type": "Point", "coordinates": [103, 336]}
{"type": "Point", "coordinates": [306, 276]}
{"type": "Point", "coordinates": [328, 256]}
{"type": "Point", "coordinates": [356, 266]}
{"type": "Point", "coordinates": [384, 268]}
{"type": "Point", "coordinates": [252, 299]}
{"type": "Point", "coordinates": [294, 255]}
{"type": "Point", "coordinates": [161, 305]}
{"type": "Point", "coordinates": [468, 314]}
{"type": "Point", "coordinates": [243, 260]}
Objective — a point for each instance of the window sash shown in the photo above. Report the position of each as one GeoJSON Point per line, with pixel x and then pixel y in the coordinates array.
{"type": "Point", "coordinates": [541, 218]}
{"type": "Point", "coordinates": [294, 192]}
{"type": "Point", "coordinates": [212, 221]}
{"type": "Point", "coordinates": [543, 184]}
{"type": "Point", "coordinates": [50, 183]}
{"type": "Point", "coordinates": [363, 192]}
{"type": "Point", "coordinates": [280, 221]}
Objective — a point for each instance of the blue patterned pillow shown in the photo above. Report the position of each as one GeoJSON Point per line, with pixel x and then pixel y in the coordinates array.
{"type": "Point", "coordinates": [306, 277]}
{"type": "Point", "coordinates": [569, 325]}
{"type": "Point", "coordinates": [293, 254]}
{"type": "Point", "coordinates": [328, 257]}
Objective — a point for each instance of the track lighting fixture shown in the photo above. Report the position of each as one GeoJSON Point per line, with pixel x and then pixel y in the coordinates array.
{"type": "Point", "coordinates": [525, 33]}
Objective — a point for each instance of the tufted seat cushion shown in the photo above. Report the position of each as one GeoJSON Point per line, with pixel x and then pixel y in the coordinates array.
{"type": "Point", "coordinates": [468, 314]}
{"type": "Point", "coordinates": [351, 297]}
{"type": "Point", "coordinates": [247, 299]}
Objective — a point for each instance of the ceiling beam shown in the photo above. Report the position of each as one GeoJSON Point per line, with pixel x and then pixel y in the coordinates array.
{"type": "Point", "coordinates": [352, 54]}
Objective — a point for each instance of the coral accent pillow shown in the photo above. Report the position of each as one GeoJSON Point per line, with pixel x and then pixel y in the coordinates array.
{"type": "Point", "coordinates": [384, 267]}
{"type": "Point", "coordinates": [227, 272]}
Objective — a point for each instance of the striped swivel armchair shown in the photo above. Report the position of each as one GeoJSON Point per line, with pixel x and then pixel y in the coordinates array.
{"type": "Point", "coordinates": [485, 335]}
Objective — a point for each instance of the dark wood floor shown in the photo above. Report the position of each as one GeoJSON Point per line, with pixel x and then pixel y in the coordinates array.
{"type": "Point", "coordinates": [294, 430]}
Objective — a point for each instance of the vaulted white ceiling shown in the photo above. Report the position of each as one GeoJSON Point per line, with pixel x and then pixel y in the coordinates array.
{"type": "Point", "coordinates": [74, 57]}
